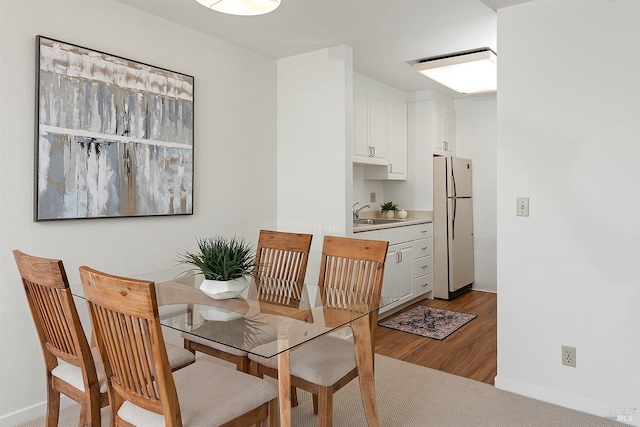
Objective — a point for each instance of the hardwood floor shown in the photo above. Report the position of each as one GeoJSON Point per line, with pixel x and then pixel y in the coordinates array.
{"type": "Point", "coordinates": [470, 352]}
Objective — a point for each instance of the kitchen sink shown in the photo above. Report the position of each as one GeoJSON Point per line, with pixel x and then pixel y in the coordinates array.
{"type": "Point", "coordinates": [375, 221]}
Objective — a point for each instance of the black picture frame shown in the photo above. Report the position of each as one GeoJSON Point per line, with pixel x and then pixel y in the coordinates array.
{"type": "Point", "coordinates": [114, 137]}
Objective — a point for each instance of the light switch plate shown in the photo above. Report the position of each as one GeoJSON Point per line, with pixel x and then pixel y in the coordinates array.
{"type": "Point", "coordinates": [372, 197]}
{"type": "Point", "coordinates": [522, 208]}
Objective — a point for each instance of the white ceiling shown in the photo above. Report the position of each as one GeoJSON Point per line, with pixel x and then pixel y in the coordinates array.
{"type": "Point", "coordinates": [384, 34]}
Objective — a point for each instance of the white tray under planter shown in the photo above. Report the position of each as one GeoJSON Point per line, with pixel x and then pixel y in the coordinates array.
{"type": "Point", "coordinates": [219, 314]}
{"type": "Point", "coordinates": [224, 289]}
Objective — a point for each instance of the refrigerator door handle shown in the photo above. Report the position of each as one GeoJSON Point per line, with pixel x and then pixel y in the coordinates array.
{"type": "Point", "coordinates": [453, 179]}
{"type": "Point", "coordinates": [453, 220]}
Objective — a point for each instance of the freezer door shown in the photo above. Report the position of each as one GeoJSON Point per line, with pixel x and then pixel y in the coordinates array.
{"type": "Point", "coordinates": [460, 230]}
{"type": "Point", "coordinates": [459, 184]}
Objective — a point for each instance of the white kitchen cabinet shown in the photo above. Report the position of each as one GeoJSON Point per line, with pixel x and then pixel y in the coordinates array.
{"type": "Point", "coordinates": [397, 147]}
{"type": "Point", "coordinates": [408, 269]}
{"type": "Point", "coordinates": [398, 273]}
{"type": "Point", "coordinates": [370, 127]}
{"type": "Point", "coordinates": [378, 127]}
{"type": "Point", "coordinates": [443, 122]}
{"type": "Point", "coordinates": [361, 147]}
{"type": "Point", "coordinates": [396, 132]}
{"type": "Point", "coordinates": [423, 265]}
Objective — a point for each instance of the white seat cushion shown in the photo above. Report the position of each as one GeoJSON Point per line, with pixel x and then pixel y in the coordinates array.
{"type": "Point", "coordinates": [209, 395]}
{"type": "Point", "coordinates": [73, 375]}
{"type": "Point", "coordinates": [322, 361]}
{"type": "Point", "coordinates": [179, 356]}
{"type": "Point", "coordinates": [213, 344]}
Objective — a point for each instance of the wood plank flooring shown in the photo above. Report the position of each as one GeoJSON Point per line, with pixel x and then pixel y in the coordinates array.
{"type": "Point", "coordinates": [470, 352]}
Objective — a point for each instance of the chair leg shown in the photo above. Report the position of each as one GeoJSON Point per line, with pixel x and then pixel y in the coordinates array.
{"type": "Point", "coordinates": [294, 397]}
{"type": "Point", "coordinates": [254, 369]}
{"type": "Point", "coordinates": [325, 407]}
{"type": "Point", "coordinates": [315, 404]}
{"type": "Point", "coordinates": [272, 419]}
{"type": "Point", "coordinates": [243, 364]}
{"type": "Point", "coordinates": [53, 404]}
{"type": "Point", "coordinates": [83, 416]}
{"type": "Point", "coordinates": [92, 408]}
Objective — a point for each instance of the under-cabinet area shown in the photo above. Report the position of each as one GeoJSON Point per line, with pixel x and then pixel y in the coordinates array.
{"type": "Point", "coordinates": [409, 264]}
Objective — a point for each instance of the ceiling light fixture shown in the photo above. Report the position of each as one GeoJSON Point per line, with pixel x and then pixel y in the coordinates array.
{"type": "Point", "coordinates": [472, 71]}
{"type": "Point", "coordinates": [241, 7]}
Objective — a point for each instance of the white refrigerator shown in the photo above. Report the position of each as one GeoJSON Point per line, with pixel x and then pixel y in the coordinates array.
{"type": "Point", "coordinates": [452, 227]}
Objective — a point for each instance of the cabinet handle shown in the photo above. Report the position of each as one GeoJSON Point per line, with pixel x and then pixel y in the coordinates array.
{"type": "Point", "coordinates": [424, 285]}
{"type": "Point", "coordinates": [425, 248]}
{"type": "Point", "coordinates": [390, 167]}
{"type": "Point", "coordinates": [370, 151]}
{"type": "Point", "coordinates": [425, 266]}
{"type": "Point", "coordinates": [424, 231]}
{"type": "Point", "coordinates": [446, 145]}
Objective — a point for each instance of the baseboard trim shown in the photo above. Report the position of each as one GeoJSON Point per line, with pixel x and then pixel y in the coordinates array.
{"type": "Point", "coordinates": [30, 413]}
{"type": "Point", "coordinates": [625, 415]}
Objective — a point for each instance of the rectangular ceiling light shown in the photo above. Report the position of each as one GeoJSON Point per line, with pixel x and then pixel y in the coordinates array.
{"type": "Point", "coordinates": [473, 71]}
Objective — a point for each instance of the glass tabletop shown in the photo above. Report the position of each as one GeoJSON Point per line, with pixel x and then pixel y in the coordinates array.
{"type": "Point", "coordinates": [270, 316]}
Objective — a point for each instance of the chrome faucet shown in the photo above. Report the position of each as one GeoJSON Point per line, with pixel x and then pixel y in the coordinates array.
{"type": "Point", "coordinates": [356, 212]}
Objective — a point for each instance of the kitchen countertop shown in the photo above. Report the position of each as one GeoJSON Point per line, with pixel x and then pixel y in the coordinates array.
{"type": "Point", "coordinates": [413, 218]}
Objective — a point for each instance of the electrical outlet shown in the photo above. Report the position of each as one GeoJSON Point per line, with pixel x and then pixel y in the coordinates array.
{"type": "Point", "coordinates": [523, 206]}
{"type": "Point", "coordinates": [372, 197]}
{"type": "Point", "coordinates": [569, 356]}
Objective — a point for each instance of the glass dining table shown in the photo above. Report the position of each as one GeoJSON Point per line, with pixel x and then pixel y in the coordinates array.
{"type": "Point", "coordinates": [267, 311]}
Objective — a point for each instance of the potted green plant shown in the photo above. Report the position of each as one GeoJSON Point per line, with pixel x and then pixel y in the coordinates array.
{"type": "Point", "coordinates": [388, 209]}
{"type": "Point", "coordinates": [225, 264]}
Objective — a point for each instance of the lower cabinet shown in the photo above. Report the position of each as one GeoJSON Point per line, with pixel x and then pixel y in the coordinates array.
{"type": "Point", "coordinates": [398, 273]}
{"type": "Point", "coordinates": [408, 269]}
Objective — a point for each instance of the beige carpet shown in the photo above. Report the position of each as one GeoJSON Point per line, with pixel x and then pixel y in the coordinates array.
{"type": "Point", "coordinates": [412, 396]}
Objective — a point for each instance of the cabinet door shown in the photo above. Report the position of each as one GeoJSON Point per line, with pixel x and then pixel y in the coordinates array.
{"type": "Point", "coordinates": [405, 273]}
{"type": "Point", "coordinates": [449, 131]}
{"type": "Point", "coordinates": [444, 129]}
{"type": "Point", "coordinates": [389, 288]}
{"type": "Point", "coordinates": [438, 127]}
{"type": "Point", "coordinates": [361, 152]}
{"type": "Point", "coordinates": [397, 145]}
{"type": "Point", "coordinates": [378, 128]}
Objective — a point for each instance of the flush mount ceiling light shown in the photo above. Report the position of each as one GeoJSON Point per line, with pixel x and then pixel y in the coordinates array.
{"type": "Point", "coordinates": [241, 7]}
{"type": "Point", "coordinates": [473, 71]}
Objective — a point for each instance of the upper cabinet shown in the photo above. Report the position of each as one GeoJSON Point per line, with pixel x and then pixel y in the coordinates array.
{"type": "Point", "coordinates": [370, 125]}
{"type": "Point", "coordinates": [380, 125]}
{"type": "Point", "coordinates": [444, 129]}
{"type": "Point", "coordinates": [397, 148]}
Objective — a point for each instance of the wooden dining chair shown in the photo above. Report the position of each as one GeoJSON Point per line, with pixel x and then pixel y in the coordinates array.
{"type": "Point", "coordinates": [72, 367]}
{"type": "Point", "coordinates": [326, 364]}
{"type": "Point", "coordinates": [279, 255]}
{"type": "Point", "coordinates": [142, 389]}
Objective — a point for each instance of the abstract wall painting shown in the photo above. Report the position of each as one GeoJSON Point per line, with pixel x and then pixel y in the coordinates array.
{"type": "Point", "coordinates": [114, 137]}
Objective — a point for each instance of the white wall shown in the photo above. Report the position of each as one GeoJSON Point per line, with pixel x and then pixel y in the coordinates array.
{"type": "Point", "coordinates": [235, 165]}
{"type": "Point", "coordinates": [476, 139]}
{"type": "Point", "coordinates": [568, 138]}
{"type": "Point", "coordinates": [363, 187]}
{"type": "Point", "coordinates": [315, 133]}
